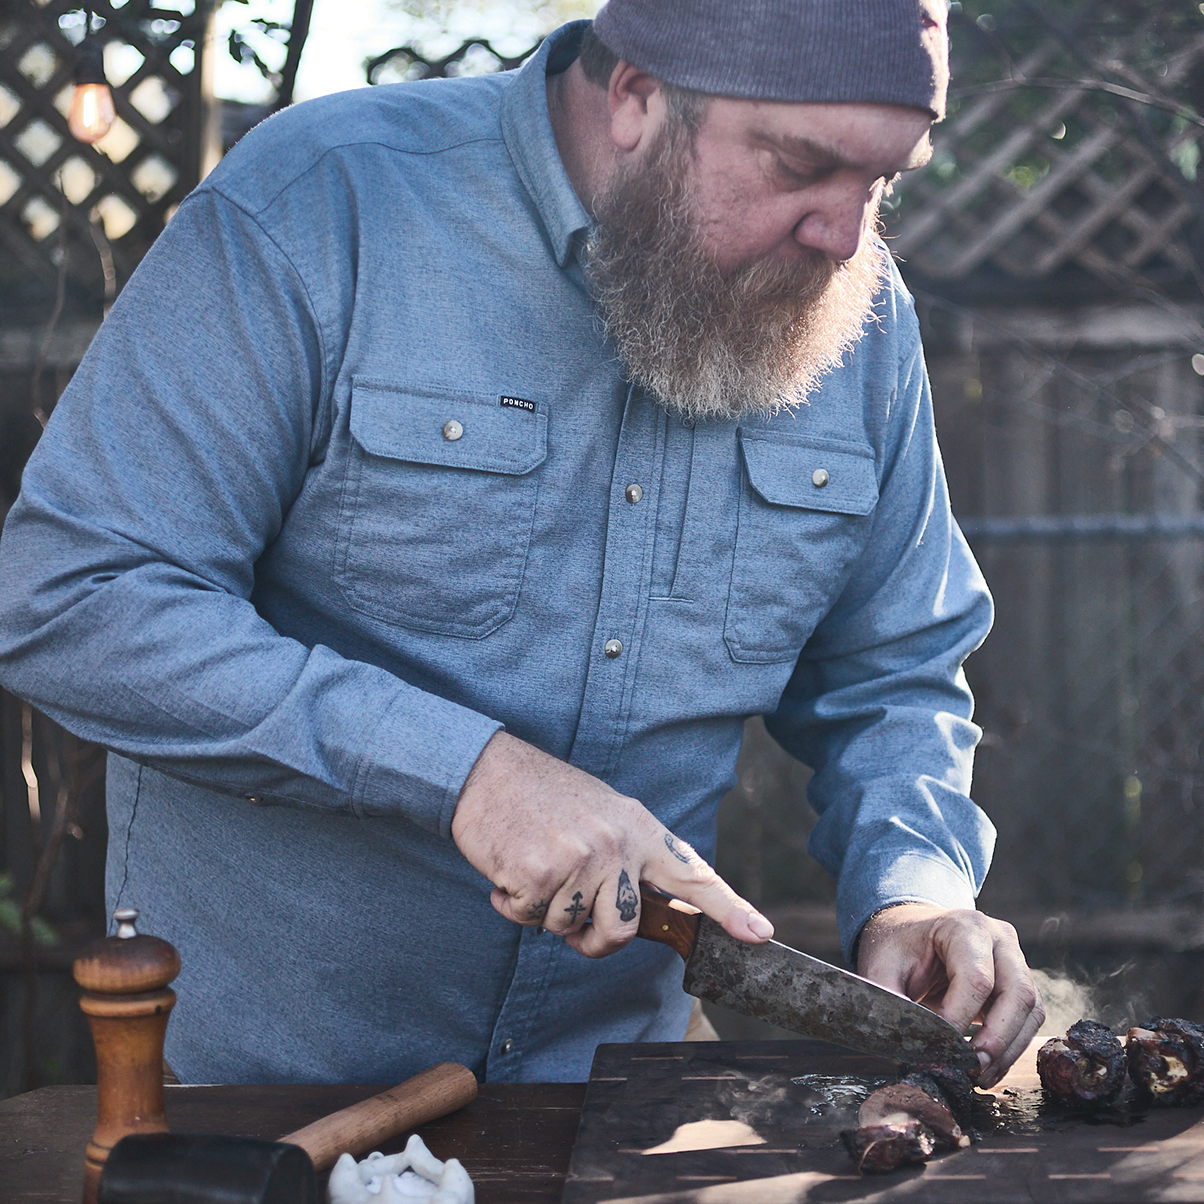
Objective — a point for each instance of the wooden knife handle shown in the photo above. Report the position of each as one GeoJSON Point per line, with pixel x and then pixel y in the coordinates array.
{"type": "Point", "coordinates": [668, 920]}
{"type": "Point", "coordinates": [367, 1125]}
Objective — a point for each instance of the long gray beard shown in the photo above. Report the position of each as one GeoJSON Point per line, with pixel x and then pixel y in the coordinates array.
{"type": "Point", "coordinates": [705, 341]}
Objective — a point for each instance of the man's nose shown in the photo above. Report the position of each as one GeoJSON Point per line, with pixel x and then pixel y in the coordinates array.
{"type": "Point", "coordinates": [835, 226]}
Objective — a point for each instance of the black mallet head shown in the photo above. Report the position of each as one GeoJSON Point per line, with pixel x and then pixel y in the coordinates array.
{"type": "Point", "coordinates": [205, 1168]}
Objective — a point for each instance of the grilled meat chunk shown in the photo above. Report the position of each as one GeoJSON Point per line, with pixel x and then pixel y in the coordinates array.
{"type": "Point", "coordinates": [880, 1148]}
{"type": "Point", "coordinates": [900, 1103]}
{"type": "Point", "coordinates": [947, 1085]}
{"type": "Point", "coordinates": [904, 1122]}
{"type": "Point", "coordinates": [1087, 1066]}
{"type": "Point", "coordinates": [1166, 1061]}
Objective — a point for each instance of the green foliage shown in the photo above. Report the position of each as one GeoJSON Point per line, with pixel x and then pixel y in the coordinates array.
{"type": "Point", "coordinates": [1025, 175]}
{"type": "Point", "coordinates": [1186, 155]}
{"type": "Point", "coordinates": [10, 916]}
{"type": "Point", "coordinates": [1054, 76]}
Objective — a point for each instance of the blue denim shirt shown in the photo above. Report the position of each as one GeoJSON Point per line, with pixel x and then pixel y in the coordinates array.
{"type": "Point", "coordinates": [248, 558]}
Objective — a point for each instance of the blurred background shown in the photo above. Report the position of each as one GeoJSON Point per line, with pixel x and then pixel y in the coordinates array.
{"type": "Point", "coordinates": [1055, 247]}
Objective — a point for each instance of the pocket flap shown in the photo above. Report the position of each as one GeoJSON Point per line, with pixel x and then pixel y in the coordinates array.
{"type": "Point", "coordinates": [811, 474]}
{"type": "Point", "coordinates": [413, 424]}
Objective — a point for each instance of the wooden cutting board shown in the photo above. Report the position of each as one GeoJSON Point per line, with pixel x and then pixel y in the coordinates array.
{"type": "Point", "coordinates": [772, 1112]}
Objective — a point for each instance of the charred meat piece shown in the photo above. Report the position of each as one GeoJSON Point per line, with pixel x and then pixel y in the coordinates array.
{"type": "Point", "coordinates": [1087, 1066]}
{"type": "Point", "coordinates": [1166, 1061]}
{"type": "Point", "coordinates": [901, 1124]}
{"type": "Point", "coordinates": [947, 1085]}
{"type": "Point", "coordinates": [903, 1102]}
{"type": "Point", "coordinates": [880, 1148]}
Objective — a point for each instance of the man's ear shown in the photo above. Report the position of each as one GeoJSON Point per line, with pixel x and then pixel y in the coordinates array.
{"type": "Point", "coordinates": [637, 106]}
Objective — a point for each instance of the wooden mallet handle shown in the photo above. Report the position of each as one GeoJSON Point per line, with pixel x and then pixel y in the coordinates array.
{"type": "Point", "coordinates": [367, 1125]}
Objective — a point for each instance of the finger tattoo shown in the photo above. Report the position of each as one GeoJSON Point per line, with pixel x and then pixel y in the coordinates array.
{"type": "Point", "coordinates": [627, 901]}
{"type": "Point", "coordinates": [537, 911]}
{"type": "Point", "coordinates": [576, 908]}
{"type": "Point", "coordinates": [674, 848]}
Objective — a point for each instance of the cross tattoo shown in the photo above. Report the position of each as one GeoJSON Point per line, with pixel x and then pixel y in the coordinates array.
{"type": "Point", "coordinates": [577, 908]}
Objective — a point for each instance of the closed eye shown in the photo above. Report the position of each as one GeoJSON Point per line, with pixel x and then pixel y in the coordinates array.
{"type": "Point", "coordinates": [801, 178]}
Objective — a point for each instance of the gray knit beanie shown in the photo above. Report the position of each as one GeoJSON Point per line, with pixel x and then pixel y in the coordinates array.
{"type": "Point", "coordinates": [861, 51]}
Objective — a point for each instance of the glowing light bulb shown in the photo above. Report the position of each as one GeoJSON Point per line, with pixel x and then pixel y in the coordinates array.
{"type": "Point", "coordinates": [92, 114]}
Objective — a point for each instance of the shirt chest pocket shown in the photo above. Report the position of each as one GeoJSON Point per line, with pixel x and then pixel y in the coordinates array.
{"type": "Point", "coordinates": [437, 508]}
{"type": "Point", "coordinates": [804, 516]}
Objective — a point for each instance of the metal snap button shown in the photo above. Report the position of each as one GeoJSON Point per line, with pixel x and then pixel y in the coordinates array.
{"type": "Point", "coordinates": [633, 493]}
{"type": "Point", "coordinates": [507, 1045]}
{"type": "Point", "coordinates": [256, 799]}
{"type": "Point", "coordinates": [688, 423]}
{"type": "Point", "coordinates": [452, 430]}
{"type": "Point", "coordinates": [819, 478]}
{"type": "Point", "coordinates": [613, 648]}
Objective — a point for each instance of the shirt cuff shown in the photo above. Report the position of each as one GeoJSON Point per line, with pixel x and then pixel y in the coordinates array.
{"type": "Point", "coordinates": [416, 760]}
{"type": "Point", "coordinates": [904, 878]}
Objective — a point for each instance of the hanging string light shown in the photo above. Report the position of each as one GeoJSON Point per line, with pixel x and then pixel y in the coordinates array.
{"type": "Point", "coordinates": [92, 113]}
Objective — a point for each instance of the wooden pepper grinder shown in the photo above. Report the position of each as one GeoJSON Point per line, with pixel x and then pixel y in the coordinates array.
{"type": "Point", "coordinates": [127, 1002]}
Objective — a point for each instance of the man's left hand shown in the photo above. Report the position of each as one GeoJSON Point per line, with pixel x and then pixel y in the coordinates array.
{"type": "Point", "coordinates": [965, 966]}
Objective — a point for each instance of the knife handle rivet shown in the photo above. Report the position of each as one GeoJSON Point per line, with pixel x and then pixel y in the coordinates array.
{"type": "Point", "coordinates": [664, 928]}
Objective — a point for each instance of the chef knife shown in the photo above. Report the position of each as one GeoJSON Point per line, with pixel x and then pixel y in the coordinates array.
{"type": "Point", "coordinates": [785, 987]}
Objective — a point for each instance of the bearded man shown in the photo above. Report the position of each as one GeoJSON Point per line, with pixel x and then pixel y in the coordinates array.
{"type": "Point", "coordinates": [462, 467]}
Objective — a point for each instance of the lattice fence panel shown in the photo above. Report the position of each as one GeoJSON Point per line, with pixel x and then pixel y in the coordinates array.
{"type": "Point", "coordinates": [1073, 139]}
{"type": "Point", "coordinates": [134, 177]}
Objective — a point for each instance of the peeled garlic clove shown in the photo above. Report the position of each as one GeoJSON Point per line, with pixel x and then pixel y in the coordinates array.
{"type": "Point", "coordinates": [414, 1174]}
{"type": "Point", "coordinates": [346, 1185]}
{"type": "Point", "coordinates": [455, 1187]}
{"type": "Point", "coordinates": [422, 1161]}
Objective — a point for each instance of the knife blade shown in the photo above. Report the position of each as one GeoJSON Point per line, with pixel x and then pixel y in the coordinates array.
{"type": "Point", "coordinates": [798, 992]}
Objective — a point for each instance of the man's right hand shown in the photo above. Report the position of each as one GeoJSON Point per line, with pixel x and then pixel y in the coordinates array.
{"type": "Point", "coordinates": [562, 847]}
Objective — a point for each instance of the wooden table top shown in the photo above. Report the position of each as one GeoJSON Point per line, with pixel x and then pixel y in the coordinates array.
{"type": "Point", "coordinates": [516, 1140]}
{"type": "Point", "coordinates": [513, 1139]}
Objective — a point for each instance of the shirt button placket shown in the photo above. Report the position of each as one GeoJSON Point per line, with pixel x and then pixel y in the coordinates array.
{"type": "Point", "coordinates": [625, 572]}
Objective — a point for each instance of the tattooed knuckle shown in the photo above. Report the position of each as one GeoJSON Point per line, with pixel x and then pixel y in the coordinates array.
{"type": "Point", "coordinates": [627, 899]}
{"type": "Point", "coordinates": [679, 850]}
{"type": "Point", "coordinates": [577, 909]}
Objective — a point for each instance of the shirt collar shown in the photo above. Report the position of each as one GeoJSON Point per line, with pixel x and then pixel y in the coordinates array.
{"type": "Point", "coordinates": [527, 131]}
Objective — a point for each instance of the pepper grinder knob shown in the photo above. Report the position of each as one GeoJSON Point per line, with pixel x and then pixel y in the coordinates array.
{"type": "Point", "coordinates": [126, 918]}
{"type": "Point", "coordinates": [127, 1001]}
